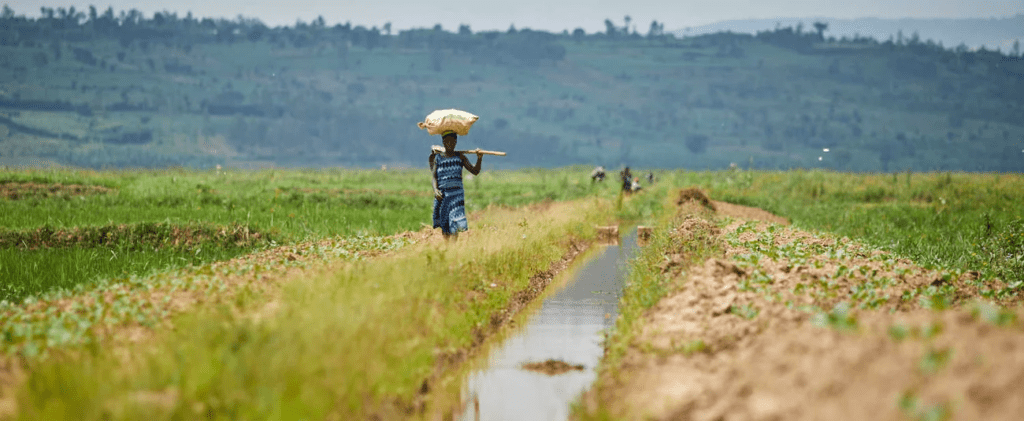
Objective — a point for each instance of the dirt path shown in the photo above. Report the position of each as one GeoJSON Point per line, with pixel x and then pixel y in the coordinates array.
{"type": "Point", "coordinates": [789, 324]}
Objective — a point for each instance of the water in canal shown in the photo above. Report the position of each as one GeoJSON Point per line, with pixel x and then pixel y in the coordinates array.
{"type": "Point", "coordinates": [568, 327]}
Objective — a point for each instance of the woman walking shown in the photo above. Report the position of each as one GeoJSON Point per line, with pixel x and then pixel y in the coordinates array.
{"type": "Point", "coordinates": [449, 196]}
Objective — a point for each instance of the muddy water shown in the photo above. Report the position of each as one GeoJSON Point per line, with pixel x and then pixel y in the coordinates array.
{"type": "Point", "coordinates": [568, 327]}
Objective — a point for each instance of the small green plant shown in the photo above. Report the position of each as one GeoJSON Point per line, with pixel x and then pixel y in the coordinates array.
{"type": "Point", "coordinates": [910, 405]}
{"type": "Point", "coordinates": [745, 311]}
{"type": "Point", "coordinates": [993, 314]}
{"type": "Point", "coordinates": [693, 347]}
{"type": "Point", "coordinates": [933, 360]}
{"type": "Point", "coordinates": [840, 318]}
{"type": "Point", "coordinates": [899, 332]}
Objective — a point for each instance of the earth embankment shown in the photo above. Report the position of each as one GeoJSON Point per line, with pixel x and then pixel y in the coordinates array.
{"type": "Point", "coordinates": [789, 324]}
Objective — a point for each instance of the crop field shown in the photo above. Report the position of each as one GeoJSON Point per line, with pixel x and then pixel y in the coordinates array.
{"type": "Point", "coordinates": [319, 294]}
{"type": "Point", "coordinates": [59, 229]}
{"type": "Point", "coordinates": [883, 296]}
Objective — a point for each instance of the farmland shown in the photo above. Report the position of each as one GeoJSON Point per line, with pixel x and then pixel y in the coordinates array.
{"type": "Point", "coordinates": [292, 310]}
{"type": "Point", "coordinates": [889, 297]}
{"type": "Point", "coordinates": [129, 223]}
{"type": "Point", "coordinates": [161, 91]}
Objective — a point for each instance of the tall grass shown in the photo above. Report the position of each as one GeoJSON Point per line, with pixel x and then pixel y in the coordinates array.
{"type": "Point", "coordinates": [357, 342]}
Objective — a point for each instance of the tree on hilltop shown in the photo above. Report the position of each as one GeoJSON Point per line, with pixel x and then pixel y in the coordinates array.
{"type": "Point", "coordinates": [821, 27]}
{"type": "Point", "coordinates": [579, 34]}
{"type": "Point", "coordinates": [609, 28]}
{"type": "Point", "coordinates": [657, 29]}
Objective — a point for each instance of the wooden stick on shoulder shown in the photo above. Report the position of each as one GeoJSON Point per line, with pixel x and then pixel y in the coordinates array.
{"type": "Point", "coordinates": [440, 149]}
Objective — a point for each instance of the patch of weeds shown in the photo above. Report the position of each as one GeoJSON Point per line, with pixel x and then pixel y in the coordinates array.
{"type": "Point", "coordinates": [934, 360]}
{"type": "Point", "coordinates": [840, 318]}
{"type": "Point", "coordinates": [1012, 290]}
{"type": "Point", "coordinates": [867, 294]}
{"type": "Point", "coordinates": [993, 314]}
{"type": "Point", "coordinates": [747, 260]}
{"type": "Point", "coordinates": [745, 311]}
{"type": "Point", "coordinates": [692, 347]}
{"type": "Point", "coordinates": [899, 332]}
{"type": "Point", "coordinates": [800, 288]}
{"type": "Point", "coordinates": [758, 281]}
{"type": "Point", "coordinates": [932, 330]}
{"type": "Point", "coordinates": [937, 297]}
{"type": "Point", "coordinates": [912, 407]}
{"type": "Point", "coordinates": [746, 226]}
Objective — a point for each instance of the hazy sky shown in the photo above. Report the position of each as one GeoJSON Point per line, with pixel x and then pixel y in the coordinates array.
{"type": "Point", "coordinates": [550, 15]}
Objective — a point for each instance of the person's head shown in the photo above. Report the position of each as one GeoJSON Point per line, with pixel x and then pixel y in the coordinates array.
{"type": "Point", "coordinates": [449, 138]}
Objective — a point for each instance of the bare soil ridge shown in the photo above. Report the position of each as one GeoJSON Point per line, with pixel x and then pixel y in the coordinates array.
{"type": "Point", "coordinates": [788, 324]}
{"type": "Point", "coordinates": [151, 235]}
{"type": "Point", "coordinates": [12, 190]}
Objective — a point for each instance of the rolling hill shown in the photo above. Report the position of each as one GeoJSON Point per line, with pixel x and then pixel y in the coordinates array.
{"type": "Point", "coordinates": [99, 90]}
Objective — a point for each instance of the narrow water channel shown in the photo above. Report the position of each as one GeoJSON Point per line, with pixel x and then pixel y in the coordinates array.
{"type": "Point", "coordinates": [568, 327]}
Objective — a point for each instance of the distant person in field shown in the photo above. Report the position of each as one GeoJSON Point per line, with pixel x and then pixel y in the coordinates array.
{"type": "Point", "coordinates": [449, 197]}
{"type": "Point", "coordinates": [597, 174]}
{"type": "Point", "coordinates": [635, 186]}
{"type": "Point", "coordinates": [627, 180]}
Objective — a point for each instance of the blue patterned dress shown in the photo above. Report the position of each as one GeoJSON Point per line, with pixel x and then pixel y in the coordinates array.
{"type": "Point", "coordinates": [450, 210]}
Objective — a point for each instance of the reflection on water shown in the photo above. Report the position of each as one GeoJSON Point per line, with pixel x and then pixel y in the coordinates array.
{"type": "Point", "coordinates": [568, 327]}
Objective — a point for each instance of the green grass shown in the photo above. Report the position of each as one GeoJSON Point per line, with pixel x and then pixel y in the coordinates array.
{"type": "Point", "coordinates": [222, 363]}
{"type": "Point", "coordinates": [285, 206]}
{"type": "Point", "coordinates": [951, 221]}
{"type": "Point", "coordinates": [38, 271]}
{"type": "Point", "coordinates": [83, 316]}
{"type": "Point", "coordinates": [354, 343]}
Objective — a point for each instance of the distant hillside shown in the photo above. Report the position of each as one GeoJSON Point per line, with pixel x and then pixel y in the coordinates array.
{"type": "Point", "coordinates": [105, 89]}
{"type": "Point", "coordinates": [974, 33]}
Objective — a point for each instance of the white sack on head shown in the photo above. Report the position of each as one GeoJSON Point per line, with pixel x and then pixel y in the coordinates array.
{"type": "Point", "coordinates": [443, 120]}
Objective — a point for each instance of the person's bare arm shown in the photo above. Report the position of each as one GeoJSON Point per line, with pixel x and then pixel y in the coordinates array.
{"type": "Point", "coordinates": [433, 176]}
{"type": "Point", "coordinates": [473, 169]}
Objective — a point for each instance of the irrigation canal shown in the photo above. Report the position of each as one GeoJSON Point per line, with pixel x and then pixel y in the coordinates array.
{"type": "Point", "coordinates": [568, 328]}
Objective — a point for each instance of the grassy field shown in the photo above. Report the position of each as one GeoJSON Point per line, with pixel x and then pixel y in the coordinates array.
{"type": "Point", "coordinates": [332, 346]}
{"type": "Point", "coordinates": [250, 353]}
{"type": "Point", "coordinates": [952, 221]}
{"type": "Point", "coordinates": [136, 222]}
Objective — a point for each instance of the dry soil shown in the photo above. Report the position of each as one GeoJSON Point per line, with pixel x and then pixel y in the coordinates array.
{"type": "Point", "coordinates": [816, 328]}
